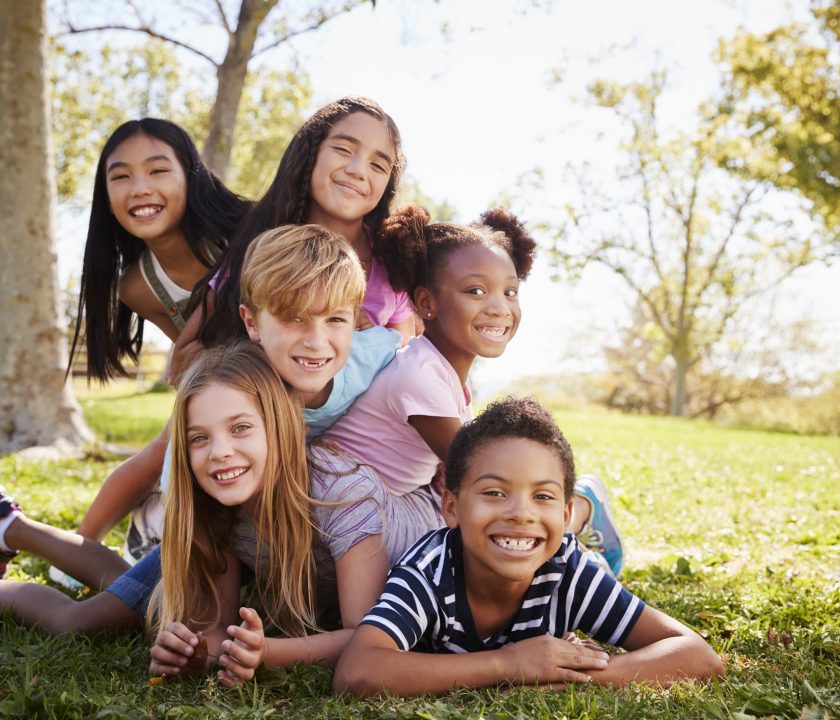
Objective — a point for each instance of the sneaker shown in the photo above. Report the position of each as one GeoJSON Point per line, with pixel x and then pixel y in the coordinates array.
{"type": "Point", "coordinates": [9, 510]}
{"type": "Point", "coordinates": [599, 532]}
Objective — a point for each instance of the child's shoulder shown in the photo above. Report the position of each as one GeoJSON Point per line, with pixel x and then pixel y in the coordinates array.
{"type": "Point", "coordinates": [430, 552]}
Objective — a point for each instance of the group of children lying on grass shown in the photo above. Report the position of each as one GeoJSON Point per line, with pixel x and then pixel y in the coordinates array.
{"type": "Point", "coordinates": [321, 461]}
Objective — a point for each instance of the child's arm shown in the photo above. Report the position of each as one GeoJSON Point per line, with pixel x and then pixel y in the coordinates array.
{"type": "Point", "coordinates": [135, 293]}
{"type": "Point", "coordinates": [373, 663]}
{"type": "Point", "coordinates": [437, 432]}
{"type": "Point", "coordinates": [662, 651]}
{"type": "Point", "coordinates": [360, 575]}
{"type": "Point", "coordinates": [404, 327]}
{"type": "Point", "coordinates": [125, 488]}
{"type": "Point", "coordinates": [188, 344]}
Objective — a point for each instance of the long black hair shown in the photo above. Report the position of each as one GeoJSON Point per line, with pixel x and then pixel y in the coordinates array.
{"type": "Point", "coordinates": [212, 213]}
{"type": "Point", "coordinates": [287, 202]}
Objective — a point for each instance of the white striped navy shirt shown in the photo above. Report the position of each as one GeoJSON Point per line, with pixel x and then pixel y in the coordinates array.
{"type": "Point", "coordinates": [424, 604]}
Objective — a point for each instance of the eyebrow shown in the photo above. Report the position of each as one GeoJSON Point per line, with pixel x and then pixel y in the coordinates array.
{"type": "Point", "coordinates": [356, 141]}
{"type": "Point", "coordinates": [237, 416]}
{"type": "Point", "coordinates": [153, 158]}
{"type": "Point", "coordinates": [494, 476]}
{"type": "Point", "coordinates": [482, 276]}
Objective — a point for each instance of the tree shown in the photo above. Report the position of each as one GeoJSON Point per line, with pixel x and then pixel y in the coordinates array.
{"type": "Point", "coordinates": [95, 90]}
{"type": "Point", "coordinates": [260, 26]}
{"type": "Point", "coordinates": [36, 404]}
{"type": "Point", "coordinates": [691, 241]}
{"type": "Point", "coordinates": [782, 96]}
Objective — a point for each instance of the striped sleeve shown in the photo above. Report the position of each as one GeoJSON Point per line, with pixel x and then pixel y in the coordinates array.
{"type": "Point", "coordinates": [406, 608]}
{"type": "Point", "coordinates": [597, 604]}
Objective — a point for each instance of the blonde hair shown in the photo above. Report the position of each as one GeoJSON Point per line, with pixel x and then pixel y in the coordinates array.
{"type": "Point", "coordinates": [196, 526]}
{"type": "Point", "coordinates": [287, 267]}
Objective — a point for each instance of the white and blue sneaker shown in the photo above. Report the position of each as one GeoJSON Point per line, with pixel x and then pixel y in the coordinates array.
{"type": "Point", "coordinates": [599, 532]}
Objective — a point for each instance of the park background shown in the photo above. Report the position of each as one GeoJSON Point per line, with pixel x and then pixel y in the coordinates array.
{"type": "Point", "coordinates": [611, 128]}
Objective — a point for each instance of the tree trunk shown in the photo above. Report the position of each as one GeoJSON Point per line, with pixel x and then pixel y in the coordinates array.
{"type": "Point", "coordinates": [36, 404]}
{"type": "Point", "coordinates": [678, 390]}
{"type": "Point", "coordinates": [231, 81]}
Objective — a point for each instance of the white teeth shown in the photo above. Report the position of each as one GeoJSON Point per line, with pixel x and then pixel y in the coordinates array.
{"type": "Point", "coordinates": [311, 363]}
{"type": "Point", "coordinates": [494, 332]}
{"type": "Point", "coordinates": [515, 543]}
{"type": "Point", "coordinates": [146, 211]}
{"type": "Point", "coordinates": [230, 474]}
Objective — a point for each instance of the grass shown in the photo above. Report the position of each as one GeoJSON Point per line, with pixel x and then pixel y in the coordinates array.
{"type": "Point", "coordinates": [735, 532]}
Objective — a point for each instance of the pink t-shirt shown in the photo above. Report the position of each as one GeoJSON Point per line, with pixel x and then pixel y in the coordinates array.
{"type": "Point", "coordinates": [418, 381]}
{"type": "Point", "coordinates": [382, 303]}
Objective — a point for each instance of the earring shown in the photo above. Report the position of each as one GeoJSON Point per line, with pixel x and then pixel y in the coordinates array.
{"type": "Point", "coordinates": [428, 316]}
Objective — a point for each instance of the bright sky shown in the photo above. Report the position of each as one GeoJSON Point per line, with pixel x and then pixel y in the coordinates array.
{"type": "Point", "coordinates": [468, 83]}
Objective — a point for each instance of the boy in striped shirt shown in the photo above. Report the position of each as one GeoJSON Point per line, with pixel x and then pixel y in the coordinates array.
{"type": "Point", "coordinates": [504, 578]}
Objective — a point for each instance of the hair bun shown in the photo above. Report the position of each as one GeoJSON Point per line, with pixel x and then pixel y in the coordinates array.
{"type": "Point", "coordinates": [522, 244]}
{"type": "Point", "coordinates": [401, 245]}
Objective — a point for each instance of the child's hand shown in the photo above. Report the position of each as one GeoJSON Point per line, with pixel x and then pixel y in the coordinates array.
{"type": "Point", "coordinates": [244, 651]}
{"type": "Point", "coordinates": [547, 659]}
{"type": "Point", "coordinates": [174, 647]}
{"type": "Point", "coordinates": [363, 322]}
{"type": "Point", "coordinates": [584, 641]}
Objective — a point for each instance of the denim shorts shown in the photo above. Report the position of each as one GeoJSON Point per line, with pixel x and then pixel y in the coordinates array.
{"type": "Point", "coordinates": [134, 587]}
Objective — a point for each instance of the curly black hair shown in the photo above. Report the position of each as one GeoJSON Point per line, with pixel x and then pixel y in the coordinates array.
{"type": "Point", "coordinates": [413, 249]}
{"type": "Point", "coordinates": [509, 418]}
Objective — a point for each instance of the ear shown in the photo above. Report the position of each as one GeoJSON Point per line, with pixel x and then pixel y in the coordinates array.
{"type": "Point", "coordinates": [567, 514]}
{"type": "Point", "coordinates": [424, 303]}
{"type": "Point", "coordinates": [250, 320]}
{"type": "Point", "coordinates": [448, 507]}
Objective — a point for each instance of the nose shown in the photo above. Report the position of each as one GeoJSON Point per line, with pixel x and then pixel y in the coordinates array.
{"type": "Point", "coordinates": [220, 447]}
{"type": "Point", "coordinates": [315, 337]}
{"type": "Point", "coordinates": [356, 166]}
{"type": "Point", "coordinates": [519, 509]}
{"type": "Point", "coordinates": [498, 305]}
{"type": "Point", "coordinates": [139, 185]}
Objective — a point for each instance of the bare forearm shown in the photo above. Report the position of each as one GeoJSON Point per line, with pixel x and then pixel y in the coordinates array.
{"type": "Point", "coordinates": [323, 647]}
{"type": "Point", "coordinates": [125, 489]}
{"type": "Point", "coordinates": [663, 663]}
{"type": "Point", "coordinates": [377, 670]}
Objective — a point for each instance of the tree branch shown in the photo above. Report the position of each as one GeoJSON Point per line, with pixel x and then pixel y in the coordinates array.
{"type": "Point", "coordinates": [223, 17]}
{"type": "Point", "coordinates": [72, 30]}
{"type": "Point", "coordinates": [295, 33]}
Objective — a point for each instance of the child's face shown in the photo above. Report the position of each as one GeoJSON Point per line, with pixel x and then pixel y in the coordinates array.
{"type": "Point", "coordinates": [226, 445]}
{"type": "Point", "coordinates": [475, 306]}
{"type": "Point", "coordinates": [147, 187]}
{"type": "Point", "coordinates": [306, 352]}
{"type": "Point", "coordinates": [351, 170]}
{"type": "Point", "coordinates": [511, 510]}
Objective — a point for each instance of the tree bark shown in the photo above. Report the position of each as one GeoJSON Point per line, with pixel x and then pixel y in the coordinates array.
{"type": "Point", "coordinates": [231, 81]}
{"type": "Point", "coordinates": [36, 404]}
{"type": "Point", "coordinates": [678, 388]}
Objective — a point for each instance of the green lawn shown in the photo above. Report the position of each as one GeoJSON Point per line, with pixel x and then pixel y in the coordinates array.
{"type": "Point", "coordinates": [735, 532]}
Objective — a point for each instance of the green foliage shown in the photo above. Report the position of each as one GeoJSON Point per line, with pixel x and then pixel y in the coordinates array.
{"type": "Point", "coordinates": [95, 90]}
{"type": "Point", "coordinates": [782, 97]}
{"type": "Point", "coordinates": [691, 241]}
{"type": "Point", "coordinates": [734, 532]}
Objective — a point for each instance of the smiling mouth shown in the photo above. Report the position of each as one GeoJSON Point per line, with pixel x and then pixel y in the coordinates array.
{"type": "Point", "coordinates": [493, 332]}
{"type": "Point", "coordinates": [228, 475]}
{"type": "Point", "coordinates": [350, 189]}
{"type": "Point", "coordinates": [312, 363]}
{"type": "Point", "coordinates": [517, 544]}
{"type": "Point", "coordinates": [145, 211]}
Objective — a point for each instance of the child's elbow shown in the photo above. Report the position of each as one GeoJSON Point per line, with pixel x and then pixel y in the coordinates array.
{"type": "Point", "coordinates": [709, 663]}
{"type": "Point", "coordinates": [352, 678]}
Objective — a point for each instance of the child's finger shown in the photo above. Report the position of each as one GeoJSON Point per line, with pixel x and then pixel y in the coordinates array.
{"type": "Point", "coordinates": [175, 643]}
{"type": "Point", "coordinates": [243, 654]}
{"type": "Point", "coordinates": [227, 680]}
{"type": "Point", "coordinates": [251, 618]}
{"type": "Point", "coordinates": [182, 632]}
{"type": "Point", "coordinates": [242, 636]}
{"type": "Point", "coordinates": [237, 669]}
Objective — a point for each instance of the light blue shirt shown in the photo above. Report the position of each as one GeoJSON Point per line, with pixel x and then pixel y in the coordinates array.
{"type": "Point", "coordinates": [371, 351]}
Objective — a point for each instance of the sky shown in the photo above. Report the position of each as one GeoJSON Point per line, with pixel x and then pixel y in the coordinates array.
{"type": "Point", "coordinates": [470, 85]}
